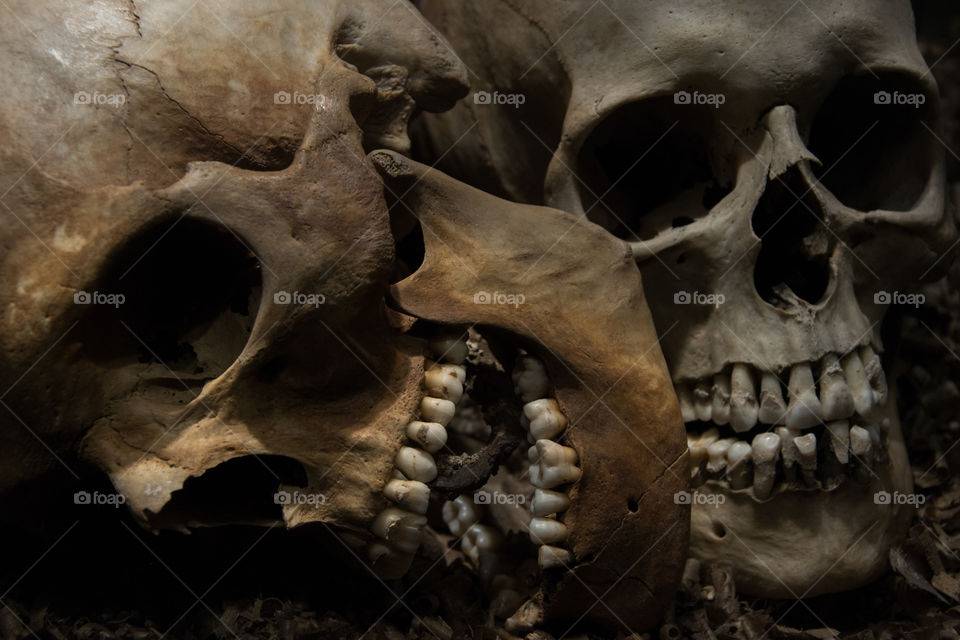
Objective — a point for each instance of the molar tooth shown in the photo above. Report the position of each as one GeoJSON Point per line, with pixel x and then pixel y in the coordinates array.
{"type": "Point", "coordinates": [875, 376]}
{"type": "Point", "coordinates": [738, 464]}
{"type": "Point", "coordinates": [835, 395]}
{"type": "Point", "coordinates": [685, 397]}
{"type": "Point", "coordinates": [445, 381]}
{"type": "Point", "coordinates": [547, 531]}
{"type": "Point", "coordinates": [480, 539]}
{"type": "Point", "coordinates": [772, 406]}
{"type": "Point", "coordinates": [804, 410]}
{"type": "Point", "coordinates": [702, 404]}
{"type": "Point", "coordinates": [840, 440]}
{"type": "Point", "coordinates": [546, 502]}
{"type": "Point", "coordinates": [429, 435]}
{"type": "Point", "coordinates": [743, 398]}
{"type": "Point", "coordinates": [550, 557]}
{"type": "Point", "coordinates": [437, 410]}
{"type": "Point", "coordinates": [857, 382]}
{"type": "Point", "coordinates": [721, 399]}
{"type": "Point", "coordinates": [459, 515]}
{"type": "Point", "coordinates": [766, 450]}
{"type": "Point", "coordinates": [409, 494]}
{"type": "Point", "coordinates": [555, 465]}
{"type": "Point", "coordinates": [546, 419]}
{"type": "Point", "coordinates": [400, 528]}
{"type": "Point", "coordinates": [717, 454]}
{"type": "Point", "coordinates": [450, 348]}
{"type": "Point", "coordinates": [416, 464]}
{"type": "Point", "coordinates": [807, 455]}
{"type": "Point", "coordinates": [530, 379]}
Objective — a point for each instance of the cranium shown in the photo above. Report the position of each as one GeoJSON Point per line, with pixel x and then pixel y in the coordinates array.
{"type": "Point", "coordinates": [777, 172]}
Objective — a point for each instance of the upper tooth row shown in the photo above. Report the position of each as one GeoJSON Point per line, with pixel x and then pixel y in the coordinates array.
{"type": "Point", "coordinates": [852, 384]}
{"type": "Point", "coordinates": [399, 526]}
{"type": "Point", "coordinates": [551, 464]}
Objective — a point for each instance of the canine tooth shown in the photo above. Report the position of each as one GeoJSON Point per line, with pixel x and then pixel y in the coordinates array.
{"type": "Point", "coordinates": [860, 444]}
{"type": "Point", "coordinates": [546, 419]}
{"type": "Point", "coordinates": [550, 557]}
{"type": "Point", "coordinates": [702, 404]}
{"type": "Point", "coordinates": [804, 410]}
{"type": "Point", "coordinates": [429, 435]}
{"type": "Point", "coordinates": [685, 397]}
{"type": "Point", "coordinates": [459, 515]}
{"type": "Point", "coordinates": [555, 465]}
{"type": "Point", "coordinates": [449, 348]}
{"type": "Point", "coordinates": [835, 395]}
{"type": "Point", "coordinates": [721, 399]}
{"type": "Point", "coordinates": [547, 531]}
{"type": "Point", "coordinates": [530, 379]}
{"type": "Point", "coordinates": [437, 410]}
{"type": "Point", "coordinates": [400, 528]}
{"type": "Point", "coordinates": [743, 398]}
{"type": "Point", "coordinates": [840, 439]}
{"type": "Point", "coordinates": [480, 539]}
{"type": "Point", "coordinates": [409, 494]}
{"type": "Point", "coordinates": [416, 464]}
{"type": "Point", "coordinates": [772, 406]}
{"type": "Point", "coordinates": [766, 450]}
{"type": "Point", "coordinates": [546, 502]}
{"type": "Point", "coordinates": [857, 382]}
{"type": "Point", "coordinates": [738, 464]}
{"type": "Point", "coordinates": [807, 455]}
{"type": "Point", "coordinates": [444, 381]}
{"type": "Point", "coordinates": [717, 454]}
{"type": "Point", "coordinates": [875, 375]}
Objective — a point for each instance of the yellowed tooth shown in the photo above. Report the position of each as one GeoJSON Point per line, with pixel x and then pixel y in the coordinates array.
{"type": "Point", "coordinates": [835, 395]}
{"type": "Point", "coordinates": [546, 419]}
{"type": "Point", "coordinates": [408, 494]}
{"type": "Point", "coordinates": [445, 381]}
{"type": "Point", "coordinates": [547, 531]}
{"type": "Point", "coordinates": [744, 407]}
{"type": "Point", "coordinates": [804, 410]}
{"type": "Point", "coordinates": [429, 435]}
{"type": "Point", "coordinates": [416, 464]}
{"type": "Point", "coordinates": [685, 398]}
{"type": "Point", "coordinates": [717, 455]}
{"type": "Point", "coordinates": [449, 347]}
{"type": "Point", "coordinates": [739, 471]}
{"type": "Point", "coordinates": [772, 406]}
{"type": "Point", "coordinates": [857, 383]}
{"type": "Point", "coordinates": [766, 450]}
{"type": "Point", "coordinates": [698, 445]}
{"type": "Point", "coordinates": [550, 557]}
{"type": "Point", "coordinates": [720, 408]}
{"type": "Point", "coordinates": [530, 380]}
{"type": "Point", "coordinates": [555, 465]}
{"type": "Point", "coordinates": [401, 529]}
{"type": "Point", "coordinates": [860, 444]}
{"type": "Point", "coordinates": [839, 431]}
{"type": "Point", "coordinates": [807, 454]}
{"type": "Point", "coordinates": [437, 410]}
{"type": "Point", "coordinates": [875, 376]}
{"type": "Point", "coordinates": [702, 402]}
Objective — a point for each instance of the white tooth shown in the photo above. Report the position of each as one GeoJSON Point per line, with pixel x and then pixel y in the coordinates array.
{"type": "Point", "coordinates": [411, 495]}
{"type": "Point", "coordinates": [429, 435]}
{"type": "Point", "coordinates": [804, 410]}
{"type": "Point", "coordinates": [550, 557]}
{"type": "Point", "coordinates": [546, 419]}
{"type": "Point", "coordinates": [702, 403]}
{"type": "Point", "coordinates": [807, 454]}
{"type": "Point", "coordinates": [721, 399]}
{"type": "Point", "coordinates": [857, 383]}
{"type": "Point", "coordinates": [480, 539]}
{"type": "Point", "coordinates": [685, 396]}
{"type": "Point", "coordinates": [400, 528]}
{"type": "Point", "coordinates": [449, 348]}
{"type": "Point", "coordinates": [772, 407]}
{"type": "Point", "coordinates": [766, 450]}
{"type": "Point", "coordinates": [555, 465]}
{"type": "Point", "coordinates": [459, 515]}
{"type": "Point", "coordinates": [738, 465]}
{"type": "Point", "coordinates": [698, 446]}
{"type": "Point", "coordinates": [416, 464]}
{"type": "Point", "coordinates": [437, 410]}
{"type": "Point", "coordinates": [546, 502]}
{"type": "Point", "coordinates": [875, 375]}
{"type": "Point", "coordinates": [860, 444]}
{"type": "Point", "coordinates": [840, 439]}
{"type": "Point", "coordinates": [717, 454]}
{"type": "Point", "coordinates": [530, 379]}
{"type": "Point", "coordinates": [835, 395]}
{"type": "Point", "coordinates": [547, 531]}
{"type": "Point", "coordinates": [743, 398]}
{"type": "Point", "coordinates": [443, 381]}
{"type": "Point", "coordinates": [387, 562]}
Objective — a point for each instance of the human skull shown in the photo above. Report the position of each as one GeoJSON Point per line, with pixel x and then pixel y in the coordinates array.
{"type": "Point", "coordinates": [776, 169]}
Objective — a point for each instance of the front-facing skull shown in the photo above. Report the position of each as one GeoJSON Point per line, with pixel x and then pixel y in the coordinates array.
{"type": "Point", "coordinates": [777, 171]}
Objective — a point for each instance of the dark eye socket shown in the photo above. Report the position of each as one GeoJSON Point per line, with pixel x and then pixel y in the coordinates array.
{"type": "Point", "coordinates": [870, 137]}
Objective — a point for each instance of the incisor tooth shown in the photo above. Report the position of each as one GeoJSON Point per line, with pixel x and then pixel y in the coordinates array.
{"type": "Point", "coordinates": [530, 379]}
{"type": "Point", "coordinates": [444, 381]}
{"type": "Point", "coordinates": [721, 399]}
{"type": "Point", "coordinates": [857, 383]}
{"type": "Point", "coordinates": [835, 395]}
{"type": "Point", "coordinates": [717, 455]}
{"type": "Point", "coordinates": [702, 404]}
{"type": "Point", "coordinates": [743, 398]}
{"type": "Point", "coordinates": [437, 410]}
{"type": "Point", "coordinates": [738, 465]}
{"type": "Point", "coordinates": [411, 495]}
{"type": "Point", "coordinates": [772, 407]}
{"type": "Point", "coordinates": [685, 397]}
{"type": "Point", "coordinates": [546, 502]}
{"type": "Point", "coordinates": [416, 464]}
{"type": "Point", "coordinates": [547, 531]}
{"type": "Point", "coordinates": [555, 465]}
{"type": "Point", "coordinates": [766, 450]}
{"type": "Point", "coordinates": [875, 376]}
{"type": "Point", "coordinates": [840, 439]}
{"type": "Point", "coordinates": [459, 515]}
{"type": "Point", "coordinates": [807, 454]}
{"type": "Point", "coordinates": [546, 419]}
{"type": "Point", "coordinates": [400, 528]}
{"type": "Point", "coordinates": [804, 410]}
{"type": "Point", "coordinates": [450, 348]}
{"type": "Point", "coordinates": [429, 435]}
{"type": "Point", "coordinates": [550, 557]}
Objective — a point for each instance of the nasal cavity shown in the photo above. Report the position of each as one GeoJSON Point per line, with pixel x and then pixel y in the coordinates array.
{"type": "Point", "coordinates": [794, 257]}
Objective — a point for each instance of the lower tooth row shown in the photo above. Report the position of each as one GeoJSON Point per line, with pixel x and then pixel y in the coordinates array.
{"type": "Point", "coordinates": [399, 526]}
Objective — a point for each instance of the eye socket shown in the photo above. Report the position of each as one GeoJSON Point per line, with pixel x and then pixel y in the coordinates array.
{"type": "Point", "coordinates": [646, 169]}
{"type": "Point", "coordinates": [870, 137]}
